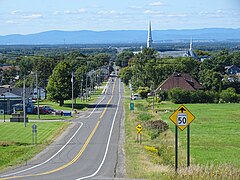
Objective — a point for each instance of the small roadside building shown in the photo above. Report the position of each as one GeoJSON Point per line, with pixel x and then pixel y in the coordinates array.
{"type": "Point", "coordinates": [10, 97]}
{"type": "Point", "coordinates": [179, 80]}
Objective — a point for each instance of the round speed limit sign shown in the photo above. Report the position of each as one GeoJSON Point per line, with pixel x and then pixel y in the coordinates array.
{"type": "Point", "coordinates": [182, 119]}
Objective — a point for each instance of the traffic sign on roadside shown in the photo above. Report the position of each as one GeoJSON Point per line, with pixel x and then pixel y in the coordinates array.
{"type": "Point", "coordinates": [182, 117]}
{"type": "Point", "coordinates": [139, 129]}
{"type": "Point", "coordinates": [131, 106]}
{"type": "Point", "coordinates": [34, 128]}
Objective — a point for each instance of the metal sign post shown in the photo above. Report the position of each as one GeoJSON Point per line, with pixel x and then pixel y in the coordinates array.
{"type": "Point", "coordinates": [182, 118]}
{"type": "Point", "coordinates": [139, 133]}
{"type": "Point", "coordinates": [34, 133]}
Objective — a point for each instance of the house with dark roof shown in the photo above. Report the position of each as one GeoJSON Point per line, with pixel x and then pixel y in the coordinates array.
{"type": "Point", "coordinates": [9, 97]}
{"type": "Point", "coordinates": [179, 80]}
{"type": "Point", "coordinates": [232, 70]}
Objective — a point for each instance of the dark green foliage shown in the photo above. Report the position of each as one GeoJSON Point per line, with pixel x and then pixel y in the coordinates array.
{"type": "Point", "coordinates": [179, 96]}
{"type": "Point", "coordinates": [59, 85]}
{"type": "Point", "coordinates": [229, 96]}
{"type": "Point", "coordinates": [143, 91]}
{"type": "Point", "coordinates": [123, 58]}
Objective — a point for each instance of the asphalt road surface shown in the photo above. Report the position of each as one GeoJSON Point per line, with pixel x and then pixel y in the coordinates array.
{"type": "Point", "coordinates": [87, 150]}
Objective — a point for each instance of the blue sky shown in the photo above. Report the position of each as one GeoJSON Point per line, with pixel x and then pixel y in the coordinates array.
{"type": "Point", "coordinates": [31, 16]}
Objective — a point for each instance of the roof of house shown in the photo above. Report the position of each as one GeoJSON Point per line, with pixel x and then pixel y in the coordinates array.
{"type": "Point", "coordinates": [9, 92]}
{"type": "Point", "coordinates": [4, 68]}
{"type": "Point", "coordinates": [179, 80]}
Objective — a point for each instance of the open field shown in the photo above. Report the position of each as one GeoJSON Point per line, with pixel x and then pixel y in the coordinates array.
{"type": "Point", "coordinates": [215, 144]}
{"type": "Point", "coordinates": [16, 141]}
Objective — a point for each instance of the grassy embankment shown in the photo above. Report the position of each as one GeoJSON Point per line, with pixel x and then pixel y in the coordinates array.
{"type": "Point", "coordinates": [215, 144]}
{"type": "Point", "coordinates": [16, 140]}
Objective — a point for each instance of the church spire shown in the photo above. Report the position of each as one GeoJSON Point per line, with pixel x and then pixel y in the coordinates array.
{"type": "Point", "coordinates": [191, 44]}
{"type": "Point", "coordinates": [149, 39]}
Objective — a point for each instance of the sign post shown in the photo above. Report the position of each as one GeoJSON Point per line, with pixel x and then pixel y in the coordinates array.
{"type": "Point", "coordinates": [139, 133]}
{"type": "Point", "coordinates": [34, 133]}
{"type": "Point", "coordinates": [182, 118]}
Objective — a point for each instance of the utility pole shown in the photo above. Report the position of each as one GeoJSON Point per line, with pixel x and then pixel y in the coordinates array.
{"type": "Point", "coordinates": [82, 89]}
{"type": "Point", "coordinates": [72, 90]}
{"type": "Point", "coordinates": [86, 86]}
{"type": "Point", "coordinates": [24, 103]}
{"type": "Point", "coordinates": [38, 112]}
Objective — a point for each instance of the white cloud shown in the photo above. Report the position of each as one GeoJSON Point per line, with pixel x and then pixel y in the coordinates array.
{"type": "Point", "coordinates": [10, 22]}
{"type": "Point", "coordinates": [111, 12]}
{"type": "Point", "coordinates": [67, 12]}
{"type": "Point", "coordinates": [151, 12]}
{"type": "Point", "coordinates": [135, 7]}
{"type": "Point", "coordinates": [15, 12]}
{"type": "Point", "coordinates": [56, 12]}
{"type": "Point", "coordinates": [82, 10]}
{"type": "Point", "coordinates": [158, 3]}
{"type": "Point", "coordinates": [33, 16]}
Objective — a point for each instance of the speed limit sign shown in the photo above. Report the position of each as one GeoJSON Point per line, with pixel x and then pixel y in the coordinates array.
{"type": "Point", "coordinates": [182, 119]}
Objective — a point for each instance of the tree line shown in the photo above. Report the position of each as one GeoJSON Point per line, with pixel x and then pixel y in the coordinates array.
{"type": "Point", "coordinates": [148, 69]}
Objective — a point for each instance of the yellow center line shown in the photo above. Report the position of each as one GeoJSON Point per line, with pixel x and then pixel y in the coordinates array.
{"type": "Point", "coordinates": [78, 154]}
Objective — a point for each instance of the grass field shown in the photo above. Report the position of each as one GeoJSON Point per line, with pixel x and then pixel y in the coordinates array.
{"type": "Point", "coordinates": [215, 143]}
{"type": "Point", "coordinates": [16, 141]}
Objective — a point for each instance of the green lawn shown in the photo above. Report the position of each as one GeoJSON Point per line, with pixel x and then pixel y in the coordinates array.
{"type": "Point", "coordinates": [16, 140]}
{"type": "Point", "coordinates": [214, 141]}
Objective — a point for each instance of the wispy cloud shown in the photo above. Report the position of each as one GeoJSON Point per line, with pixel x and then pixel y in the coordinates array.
{"type": "Point", "coordinates": [33, 16]}
{"type": "Point", "coordinates": [135, 7]}
{"type": "Point", "coordinates": [158, 3]}
{"type": "Point", "coordinates": [159, 14]}
{"type": "Point", "coordinates": [10, 22]}
{"type": "Point", "coordinates": [151, 12]}
{"type": "Point", "coordinates": [111, 12]}
{"type": "Point", "coordinates": [16, 12]}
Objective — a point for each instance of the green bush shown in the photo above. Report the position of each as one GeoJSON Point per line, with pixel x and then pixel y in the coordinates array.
{"type": "Point", "coordinates": [143, 91]}
{"type": "Point", "coordinates": [178, 96]}
{"type": "Point", "coordinates": [229, 96]}
{"type": "Point", "coordinates": [144, 116]}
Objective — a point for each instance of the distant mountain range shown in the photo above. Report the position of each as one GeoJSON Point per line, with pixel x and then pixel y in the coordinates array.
{"type": "Point", "coordinates": [120, 36]}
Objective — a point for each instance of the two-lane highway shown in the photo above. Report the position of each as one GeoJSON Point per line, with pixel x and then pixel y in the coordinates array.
{"type": "Point", "coordinates": [89, 148]}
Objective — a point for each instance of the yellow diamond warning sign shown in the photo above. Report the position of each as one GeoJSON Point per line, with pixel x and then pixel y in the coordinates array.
{"type": "Point", "coordinates": [182, 117]}
{"type": "Point", "coordinates": [139, 129]}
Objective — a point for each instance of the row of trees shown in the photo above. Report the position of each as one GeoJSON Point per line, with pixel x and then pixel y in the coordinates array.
{"type": "Point", "coordinates": [55, 73]}
{"type": "Point", "coordinates": [147, 69]}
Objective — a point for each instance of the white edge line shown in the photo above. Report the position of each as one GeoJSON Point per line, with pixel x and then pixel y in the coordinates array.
{"type": "Point", "coordinates": [95, 107]}
{"type": "Point", "coordinates": [108, 142]}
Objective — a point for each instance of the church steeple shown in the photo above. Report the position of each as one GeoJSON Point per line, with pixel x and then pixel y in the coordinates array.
{"type": "Point", "coordinates": [190, 45]}
{"type": "Point", "coordinates": [149, 39]}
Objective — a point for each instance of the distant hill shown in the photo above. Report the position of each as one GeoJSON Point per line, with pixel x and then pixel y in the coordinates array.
{"type": "Point", "coordinates": [120, 36]}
